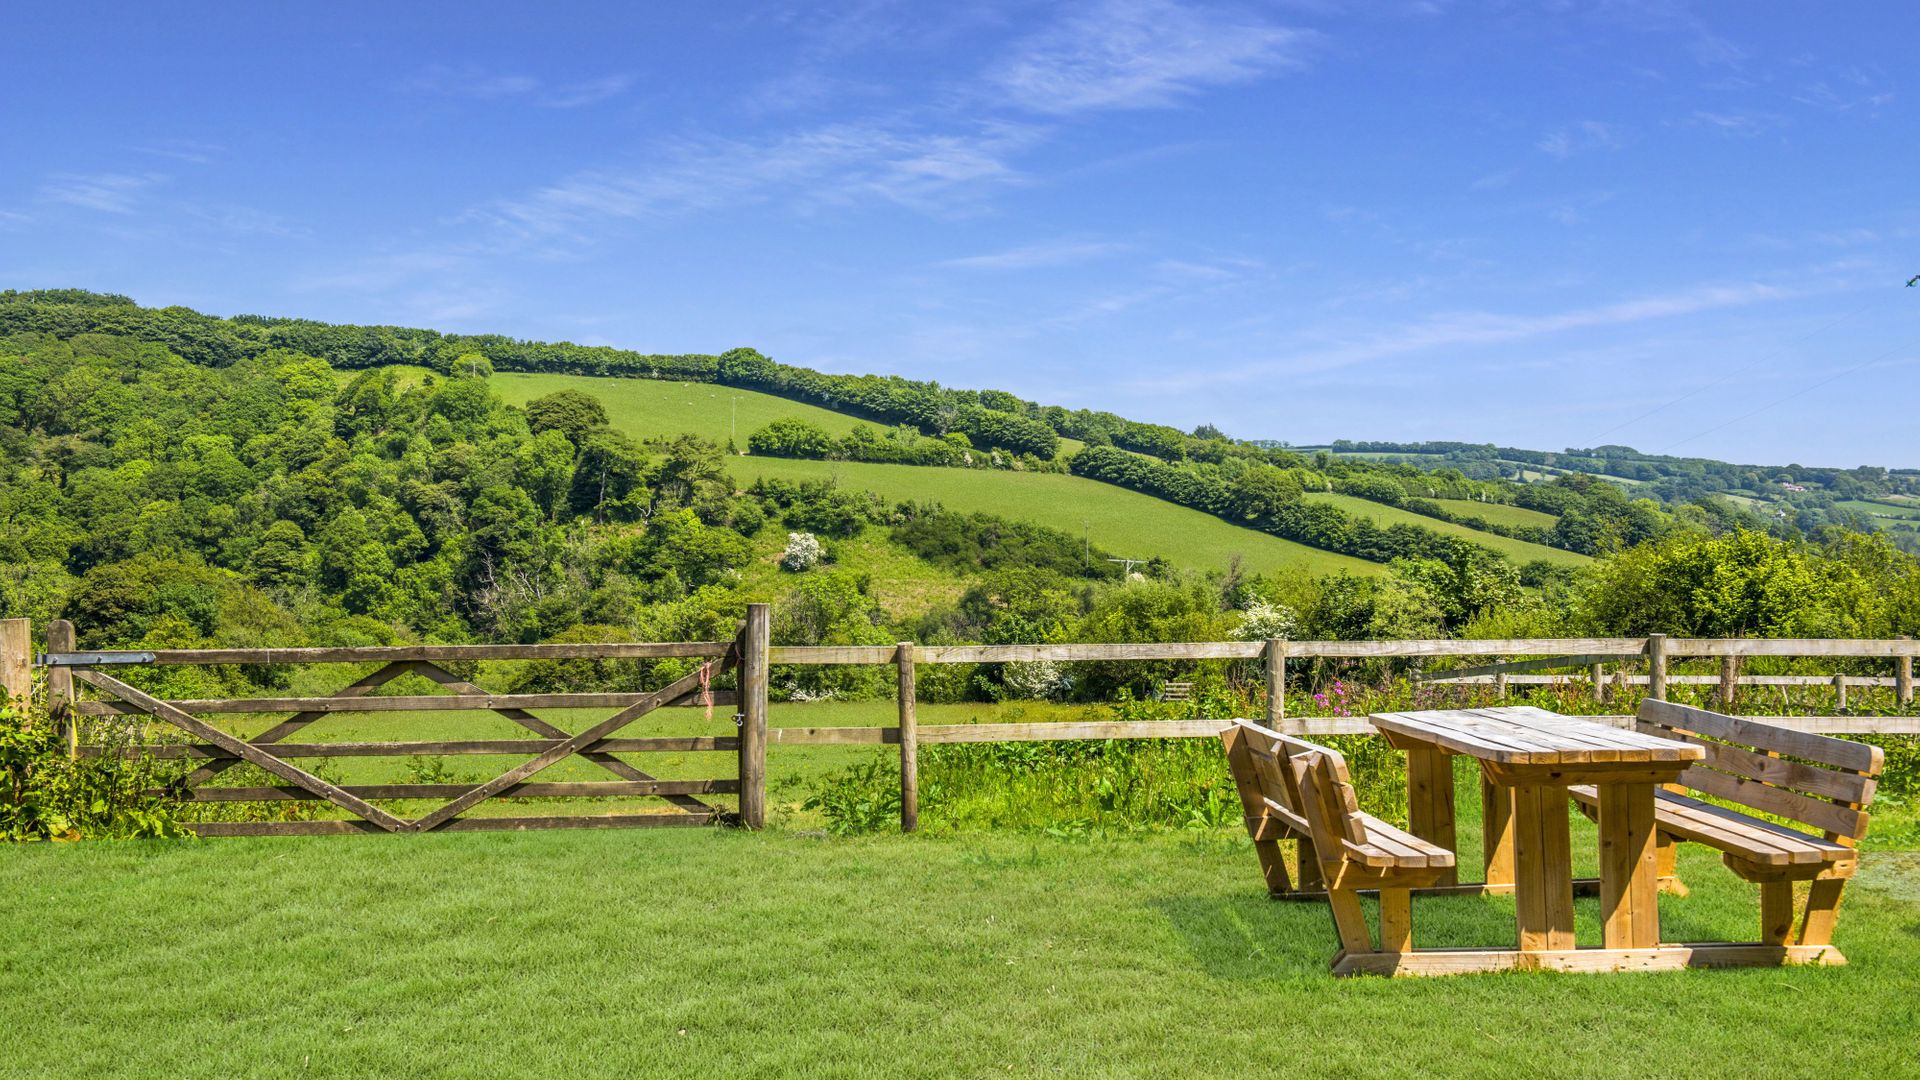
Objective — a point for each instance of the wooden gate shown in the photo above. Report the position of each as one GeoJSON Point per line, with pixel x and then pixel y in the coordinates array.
{"type": "Point", "coordinates": [598, 743]}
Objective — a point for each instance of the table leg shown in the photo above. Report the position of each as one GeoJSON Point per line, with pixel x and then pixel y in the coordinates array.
{"type": "Point", "coordinates": [1430, 800]}
{"type": "Point", "coordinates": [1629, 869]}
{"type": "Point", "coordinates": [1496, 836]}
{"type": "Point", "coordinates": [1543, 868]}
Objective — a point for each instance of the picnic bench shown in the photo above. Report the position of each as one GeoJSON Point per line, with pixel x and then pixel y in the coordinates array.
{"type": "Point", "coordinates": [1294, 789]}
{"type": "Point", "coordinates": [1816, 781]}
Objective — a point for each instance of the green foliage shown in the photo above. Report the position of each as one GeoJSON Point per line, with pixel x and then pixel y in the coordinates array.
{"type": "Point", "coordinates": [46, 795]}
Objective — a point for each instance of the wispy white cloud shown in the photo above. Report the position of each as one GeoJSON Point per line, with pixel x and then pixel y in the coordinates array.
{"type": "Point", "coordinates": [113, 193]}
{"type": "Point", "coordinates": [11, 219]}
{"type": "Point", "coordinates": [841, 164]}
{"type": "Point", "coordinates": [1494, 180]}
{"type": "Point", "coordinates": [1483, 328]}
{"type": "Point", "coordinates": [188, 150]}
{"type": "Point", "coordinates": [1130, 54]}
{"type": "Point", "coordinates": [1580, 138]}
{"type": "Point", "coordinates": [1735, 123]}
{"type": "Point", "coordinates": [476, 84]}
{"type": "Point", "coordinates": [1044, 254]}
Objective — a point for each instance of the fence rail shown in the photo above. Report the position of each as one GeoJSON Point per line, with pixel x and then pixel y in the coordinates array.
{"type": "Point", "coordinates": [1517, 661]}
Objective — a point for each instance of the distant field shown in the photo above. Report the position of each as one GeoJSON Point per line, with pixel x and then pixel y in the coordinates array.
{"type": "Point", "coordinates": [1882, 513]}
{"type": "Point", "coordinates": [1124, 522]}
{"type": "Point", "coordinates": [1517, 550]}
{"type": "Point", "coordinates": [1499, 514]}
{"type": "Point", "coordinates": [646, 407]}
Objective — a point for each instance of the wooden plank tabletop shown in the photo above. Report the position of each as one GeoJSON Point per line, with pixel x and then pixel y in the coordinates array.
{"type": "Point", "coordinates": [1524, 735]}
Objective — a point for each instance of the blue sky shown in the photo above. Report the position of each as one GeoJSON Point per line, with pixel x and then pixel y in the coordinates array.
{"type": "Point", "coordinates": [1685, 228]}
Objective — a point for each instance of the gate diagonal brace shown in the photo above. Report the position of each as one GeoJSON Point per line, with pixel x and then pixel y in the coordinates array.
{"type": "Point", "coordinates": [572, 745]}
{"type": "Point", "coordinates": [243, 749]}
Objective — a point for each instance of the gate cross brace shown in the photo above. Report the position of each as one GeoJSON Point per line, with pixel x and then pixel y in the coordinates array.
{"type": "Point", "coordinates": [241, 748]}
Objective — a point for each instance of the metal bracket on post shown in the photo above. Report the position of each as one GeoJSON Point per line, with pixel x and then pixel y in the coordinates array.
{"type": "Point", "coordinates": [92, 659]}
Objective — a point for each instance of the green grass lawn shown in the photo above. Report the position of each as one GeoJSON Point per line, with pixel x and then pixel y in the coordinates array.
{"type": "Point", "coordinates": [713, 952]}
{"type": "Point", "coordinates": [1123, 522]}
{"type": "Point", "coordinates": [1499, 513]}
{"type": "Point", "coordinates": [1384, 515]}
{"type": "Point", "coordinates": [1881, 511]}
{"type": "Point", "coordinates": [653, 407]}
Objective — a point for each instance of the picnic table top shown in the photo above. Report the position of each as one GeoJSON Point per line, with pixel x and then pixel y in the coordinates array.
{"type": "Point", "coordinates": [1524, 735]}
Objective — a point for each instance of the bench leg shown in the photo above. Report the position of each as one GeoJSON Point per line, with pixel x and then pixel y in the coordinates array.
{"type": "Point", "coordinates": [1776, 912]}
{"type": "Point", "coordinates": [1350, 921]}
{"type": "Point", "coordinates": [1629, 884]}
{"type": "Point", "coordinates": [1273, 866]}
{"type": "Point", "coordinates": [1396, 921]}
{"type": "Point", "coordinates": [1665, 852]}
{"type": "Point", "coordinates": [1309, 863]}
{"type": "Point", "coordinates": [1430, 800]}
{"type": "Point", "coordinates": [1496, 838]}
{"type": "Point", "coordinates": [1823, 905]}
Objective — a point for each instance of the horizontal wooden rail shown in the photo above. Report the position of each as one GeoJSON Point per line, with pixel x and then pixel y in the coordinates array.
{"type": "Point", "coordinates": [584, 788]}
{"type": "Point", "coordinates": [361, 654]}
{"type": "Point", "coordinates": [407, 703]}
{"type": "Point", "coordinates": [657, 744]}
{"type": "Point", "coordinates": [464, 824]}
{"type": "Point", "coordinates": [1792, 647]}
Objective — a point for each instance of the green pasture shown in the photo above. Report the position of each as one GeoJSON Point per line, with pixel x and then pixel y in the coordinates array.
{"type": "Point", "coordinates": [1384, 515]}
{"type": "Point", "coordinates": [649, 408]}
{"type": "Point", "coordinates": [1881, 511]}
{"type": "Point", "coordinates": [1499, 513]}
{"type": "Point", "coordinates": [789, 953]}
{"type": "Point", "coordinates": [1126, 523]}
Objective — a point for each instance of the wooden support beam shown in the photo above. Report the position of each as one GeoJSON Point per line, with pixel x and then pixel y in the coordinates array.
{"type": "Point", "coordinates": [909, 741]}
{"type": "Point", "coordinates": [753, 716]}
{"type": "Point", "coordinates": [1657, 666]}
{"type": "Point", "coordinates": [1903, 677]}
{"type": "Point", "coordinates": [16, 659]}
{"type": "Point", "coordinates": [1729, 681]}
{"type": "Point", "coordinates": [60, 703]}
{"type": "Point", "coordinates": [1276, 683]}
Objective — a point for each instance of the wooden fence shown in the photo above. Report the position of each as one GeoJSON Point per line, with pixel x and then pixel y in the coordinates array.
{"type": "Point", "coordinates": [751, 655]}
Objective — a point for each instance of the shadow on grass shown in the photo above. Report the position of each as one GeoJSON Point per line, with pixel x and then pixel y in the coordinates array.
{"type": "Point", "coordinates": [1253, 936]}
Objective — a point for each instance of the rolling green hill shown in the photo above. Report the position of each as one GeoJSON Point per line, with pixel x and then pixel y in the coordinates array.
{"type": "Point", "coordinates": [1383, 515]}
{"type": "Point", "coordinates": [1122, 521]}
{"type": "Point", "coordinates": [1498, 513]}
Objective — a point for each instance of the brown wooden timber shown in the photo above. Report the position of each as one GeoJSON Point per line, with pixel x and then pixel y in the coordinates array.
{"type": "Point", "coordinates": [362, 654]}
{"type": "Point", "coordinates": [16, 659]}
{"type": "Point", "coordinates": [60, 700]}
{"type": "Point", "coordinates": [1657, 666]}
{"type": "Point", "coordinates": [532, 723]}
{"type": "Point", "coordinates": [566, 748]}
{"type": "Point", "coordinates": [571, 789]}
{"type": "Point", "coordinates": [478, 824]}
{"type": "Point", "coordinates": [462, 702]}
{"type": "Point", "coordinates": [1276, 683]}
{"type": "Point", "coordinates": [208, 733]}
{"type": "Point", "coordinates": [1903, 678]}
{"type": "Point", "coordinates": [909, 741]}
{"type": "Point", "coordinates": [753, 716]}
{"type": "Point", "coordinates": [366, 684]}
{"type": "Point", "coordinates": [657, 744]}
{"type": "Point", "coordinates": [1729, 681]}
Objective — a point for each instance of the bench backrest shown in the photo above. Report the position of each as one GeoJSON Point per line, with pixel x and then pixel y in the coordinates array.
{"type": "Point", "coordinates": [1816, 780]}
{"type": "Point", "coordinates": [1291, 786]}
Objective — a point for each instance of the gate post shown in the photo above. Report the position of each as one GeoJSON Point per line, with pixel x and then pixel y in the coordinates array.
{"type": "Point", "coordinates": [909, 741]}
{"type": "Point", "coordinates": [753, 717]}
{"type": "Point", "coordinates": [16, 659]}
{"type": "Point", "coordinates": [60, 685]}
{"type": "Point", "coordinates": [1657, 667]}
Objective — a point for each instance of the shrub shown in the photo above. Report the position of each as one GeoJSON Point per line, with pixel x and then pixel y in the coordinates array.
{"type": "Point", "coordinates": [46, 795]}
{"type": "Point", "coordinates": [802, 554]}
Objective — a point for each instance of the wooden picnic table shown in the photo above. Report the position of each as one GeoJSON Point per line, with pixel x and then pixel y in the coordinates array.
{"type": "Point", "coordinates": [1528, 757]}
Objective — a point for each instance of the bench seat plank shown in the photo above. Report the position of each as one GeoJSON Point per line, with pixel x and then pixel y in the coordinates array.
{"type": "Point", "coordinates": [1748, 837]}
{"type": "Point", "coordinates": [1389, 846]}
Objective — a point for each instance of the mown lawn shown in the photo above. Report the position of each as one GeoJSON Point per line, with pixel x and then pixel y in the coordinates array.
{"type": "Point", "coordinates": [711, 952]}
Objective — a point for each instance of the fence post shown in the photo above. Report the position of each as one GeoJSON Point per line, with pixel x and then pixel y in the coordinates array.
{"type": "Point", "coordinates": [1729, 680]}
{"type": "Point", "coordinates": [1840, 693]}
{"type": "Point", "coordinates": [1903, 677]}
{"type": "Point", "coordinates": [1599, 674]}
{"type": "Point", "coordinates": [909, 742]}
{"type": "Point", "coordinates": [1657, 666]}
{"type": "Point", "coordinates": [60, 684]}
{"type": "Point", "coordinates": [753, 717]}
{"type": "Point", "coordinates": [1276, 682]}
{"type": "Point", "coordinates": [16, 659]}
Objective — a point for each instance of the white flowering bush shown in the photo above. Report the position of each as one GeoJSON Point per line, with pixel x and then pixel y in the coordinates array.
{"type": "Point", "coordinates": [1262, 621]}
{"type": "Point", "coordinates": [1035, 680]}
{"type": "Point", "coordinates": [803, 552]}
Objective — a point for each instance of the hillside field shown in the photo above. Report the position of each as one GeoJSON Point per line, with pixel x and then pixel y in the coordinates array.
{"type": "Point", "coordinates": [1499, 513]}
{"type": "Point", "coordinates": [1124, 522]}
{"type": "Point", "coordinates": [1518, 550]}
